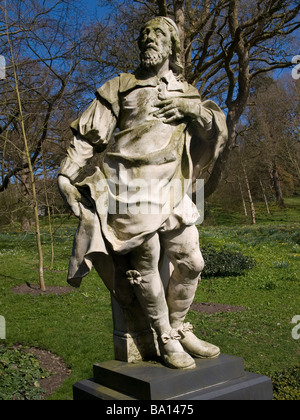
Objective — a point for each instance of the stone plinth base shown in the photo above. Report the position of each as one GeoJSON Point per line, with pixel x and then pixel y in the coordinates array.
{"type": "Point", "coordinates": [223, 378]}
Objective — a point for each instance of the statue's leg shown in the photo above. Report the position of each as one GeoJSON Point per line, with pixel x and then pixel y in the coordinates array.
{"type": "Point", "coordinates": [145, 279]}
{"type": "Point", "coordinates": [182, 248]}
{"type": "Point", "coordinates": [122, 290]}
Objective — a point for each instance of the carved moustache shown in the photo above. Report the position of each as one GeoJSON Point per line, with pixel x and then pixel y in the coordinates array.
{"type": "Point", "coordinates": [150, 45]}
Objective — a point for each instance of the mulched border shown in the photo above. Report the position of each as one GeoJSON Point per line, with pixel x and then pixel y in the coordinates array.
{"type": "Point", "coordinates": [48, 361]}
{"type": "Point", "coordinates": [212, 308]}
{"type": "Point", "coordinates": [52, 364]}
{"type": "Point", "coordinates": [55, 365]}
{"type": "Point", "coordinates": [33, 289]}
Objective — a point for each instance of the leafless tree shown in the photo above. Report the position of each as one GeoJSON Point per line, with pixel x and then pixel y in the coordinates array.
{"type": "Point", "coordinates": [226, 44]}
{"type": "Point", "coordinates": [47, 51]}
{"type": "Point", "coordinates": [42, 54]}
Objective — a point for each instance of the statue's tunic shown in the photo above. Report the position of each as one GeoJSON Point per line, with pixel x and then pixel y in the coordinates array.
{"type": "Point", "coordinates": [147, 166]}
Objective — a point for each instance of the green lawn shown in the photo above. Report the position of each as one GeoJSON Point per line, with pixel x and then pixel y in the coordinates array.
{"type": "Point", "coordinates": [78, 326]}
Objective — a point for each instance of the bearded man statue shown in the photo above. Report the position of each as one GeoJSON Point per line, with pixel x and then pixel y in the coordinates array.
{"type": "Point", "coordinates": [153, 131]}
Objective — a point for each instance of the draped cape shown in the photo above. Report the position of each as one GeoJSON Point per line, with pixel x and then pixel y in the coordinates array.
{"type": "Point", "coordinates": [148, 167]}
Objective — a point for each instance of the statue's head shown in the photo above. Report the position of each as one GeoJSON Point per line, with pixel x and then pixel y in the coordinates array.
{"type": "Point", "coordinates": [158, 40]}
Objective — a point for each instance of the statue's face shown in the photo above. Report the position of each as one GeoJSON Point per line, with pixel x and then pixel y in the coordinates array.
{"type": "Point", "coordinates": [155, 43]}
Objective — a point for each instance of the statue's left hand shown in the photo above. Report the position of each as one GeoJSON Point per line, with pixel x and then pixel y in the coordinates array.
{"type": "Point", "coordinates": [174, 109]}
{"type": "Point", "coordinates": [71, 195]}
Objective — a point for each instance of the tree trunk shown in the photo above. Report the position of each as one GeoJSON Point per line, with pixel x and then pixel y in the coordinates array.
{"type": "Point", "coordinates": [243, 199]}
{"type": "Point", "coordinates": [162, 8]}
{"type": "Point", "coordinates": [26, 202]}
{"type": "Point", "coordinates": [180, 22]}
{"type": "Point", "coordinates": [265, 197]}
{"type": "Point", "coordinates": [237, 96]}
{"type": "Point", "coordinates": [253, 213]}
{"type": "Point", "coordinates": [27, 154]}
{"type": "Point", "coordinates": [215, 177]}
{"type": "Point", "coordinates": [48, 213]}
{"type": "Point", "coordinates": [276, 184]}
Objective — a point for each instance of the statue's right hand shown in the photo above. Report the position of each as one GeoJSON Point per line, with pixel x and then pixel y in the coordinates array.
{"type": "Point", "coordinates": [70, 194]}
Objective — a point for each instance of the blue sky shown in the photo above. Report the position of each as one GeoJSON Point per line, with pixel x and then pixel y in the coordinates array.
{"type": "Point", "coordinates": [92, 8]}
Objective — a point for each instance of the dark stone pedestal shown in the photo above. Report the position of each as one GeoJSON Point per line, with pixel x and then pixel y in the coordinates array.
{"type": "Point", "coordinates": [223, 378]}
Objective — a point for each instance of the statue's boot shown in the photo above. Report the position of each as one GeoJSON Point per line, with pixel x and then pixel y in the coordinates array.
{"type": "Point", "coordinates": [172, 352]}
{"type": "Point", "coordinates": [194, 346]}
{"type": "Point", "coordinates": [179, 299]}
{"type": "Point", "coordinates": [151, 296]}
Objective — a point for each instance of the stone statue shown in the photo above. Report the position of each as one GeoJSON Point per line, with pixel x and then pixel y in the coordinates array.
{"type": "Point", "coordinates": [153, 131]}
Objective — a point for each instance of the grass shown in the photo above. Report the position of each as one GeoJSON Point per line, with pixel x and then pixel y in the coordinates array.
{"type": "Point", "coordinates": [234, 216]}
{"type": "Point", "coordinates": [269, 291]}
{"type": "Point", "coordinates": [78, 326]}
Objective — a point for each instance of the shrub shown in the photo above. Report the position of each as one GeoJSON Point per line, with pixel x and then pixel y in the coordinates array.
{"type": "Point", "coordinates": [286, 384]}
{"type": "Point", "coordinates": [20, 375]}
{"type": "Point", "coordinates": [296, 237]}
{"type": "Point", "coordinates": [225, 263]}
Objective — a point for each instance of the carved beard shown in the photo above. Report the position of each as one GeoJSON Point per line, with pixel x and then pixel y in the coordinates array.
{"type": "Point", "coordinates": [151, 58]}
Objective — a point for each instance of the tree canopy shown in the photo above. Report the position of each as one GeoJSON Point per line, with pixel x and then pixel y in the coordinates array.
{"type": "Point", "coordinates": [63, 54]}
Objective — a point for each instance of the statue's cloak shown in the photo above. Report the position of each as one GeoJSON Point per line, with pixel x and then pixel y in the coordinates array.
{"type": "Point", "coordinates": [144, 182]}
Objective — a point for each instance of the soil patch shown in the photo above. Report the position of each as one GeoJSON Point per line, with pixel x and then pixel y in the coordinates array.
{"type": "Point", "coordinates": [34, 289]}
{"type": "Point", "coordinates": [212, 308]}
{"type": "Point", "coordinates": [53, 364]}
{"type": "Point", "coordinates": [50, 363]}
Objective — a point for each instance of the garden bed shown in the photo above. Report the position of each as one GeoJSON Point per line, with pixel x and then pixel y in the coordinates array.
{"type": "Point", "coordinates": [30, 373]}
